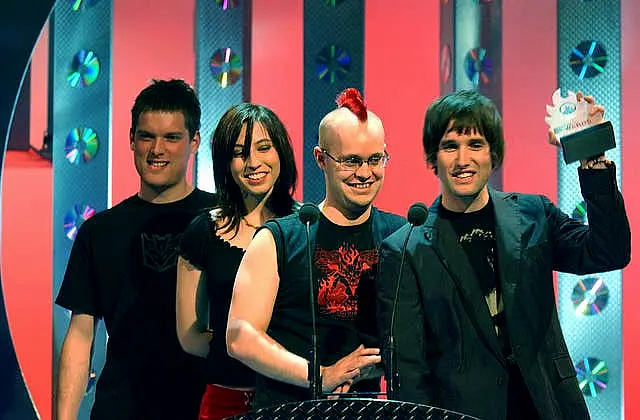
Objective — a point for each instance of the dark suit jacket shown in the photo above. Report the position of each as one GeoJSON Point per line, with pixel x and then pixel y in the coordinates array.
{"type": "Point", "coordinates": [448, 353]}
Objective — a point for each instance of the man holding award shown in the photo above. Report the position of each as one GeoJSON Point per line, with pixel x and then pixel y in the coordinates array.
{"type": "Point", "coordinates": [473, 305]}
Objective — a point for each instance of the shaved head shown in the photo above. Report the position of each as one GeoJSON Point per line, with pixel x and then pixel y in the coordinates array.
{"type": "Point", "coordinates": [342, 121]}
{"type": "Point", "coordinates": [351, 146]}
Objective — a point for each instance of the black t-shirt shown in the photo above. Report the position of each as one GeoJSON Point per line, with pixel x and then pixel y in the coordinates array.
{"type": "Point", "coordinates": [122, 268]}
{"type": "Point", "coordinates": [219, 261]}
{"type": "Point", "coordinates": [345, 262]}
{"type": "Point", "coordinates": [476, 235]}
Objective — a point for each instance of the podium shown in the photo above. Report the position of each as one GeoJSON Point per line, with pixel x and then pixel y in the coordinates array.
{"type": "Point", "coordinates": [352, 409]}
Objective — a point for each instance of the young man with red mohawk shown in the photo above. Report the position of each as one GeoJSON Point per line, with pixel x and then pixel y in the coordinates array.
{"type": "Point", "coordinates": [269, 327]}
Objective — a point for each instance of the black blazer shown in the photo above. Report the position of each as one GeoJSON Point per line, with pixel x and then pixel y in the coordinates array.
{"type": "Point", "coordinates": [448, 353]}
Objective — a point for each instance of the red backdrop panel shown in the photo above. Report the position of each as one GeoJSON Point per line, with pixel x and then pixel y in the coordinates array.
{"type": "Point", "coordinates": [529, 30]}
{"type": "Point", "coordinates": [277, 65]}
{"type": "Point", "coordinates": [630, 94]}
{"type": "Point", "coordinates": [150, 41]}
{"type": "Point", "coordinates": [26, 268]}
{"type": "Point", "coordinates": [400, 80]}
{"type": "Point", "coordinates": [27, 243]}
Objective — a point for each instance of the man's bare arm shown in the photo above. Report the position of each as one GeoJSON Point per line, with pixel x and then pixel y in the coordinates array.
{"type": "Point", "coordinates": [252, 304]}
{"type": "Point", "coordinates": [73, 369]}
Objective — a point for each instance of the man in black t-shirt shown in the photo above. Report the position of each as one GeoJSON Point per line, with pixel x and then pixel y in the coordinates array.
{"type": "Point", "coordinates": [269, 326]}
{"type": "Point", "coordinates": [476, 325]}
{"type": "Point", "coordinates": [345, 263]}
{"type": "Point", "coordinates": [122, 268]}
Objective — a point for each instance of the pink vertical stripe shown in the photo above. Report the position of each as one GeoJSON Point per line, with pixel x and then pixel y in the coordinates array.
{"type": "Point", "coordinates": [529, 34]}
{"type": "Point", "coordinates": [149, 42]}
{"type": "Point", "coordinates": [27, 269]}
{"type": "Point", "coordinates": [277, 66]}
{"type": "Point", "coordinates": [27, 243]}
{"type": "Point", "coordinates": [529, 30]}
{"type": "Point", "coordinates": [401, 59]}
{"type": "Point", "coordinates": [630, 94]}
{"type": "Point", "coordinates": [39, 89]}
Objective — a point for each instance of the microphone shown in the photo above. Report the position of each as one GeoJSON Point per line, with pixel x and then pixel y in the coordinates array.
{"type": "Point", "coordinates": [308, 214]}
{"type": "Point", "coordinates": [416, 216]}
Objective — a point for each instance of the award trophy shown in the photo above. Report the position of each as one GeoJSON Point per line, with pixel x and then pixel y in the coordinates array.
{"type": "Point", "coordinates": [582, 136]}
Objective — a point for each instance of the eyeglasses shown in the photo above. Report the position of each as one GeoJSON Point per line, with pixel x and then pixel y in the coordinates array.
{"type": "Point", "coordinates": [353, 163]}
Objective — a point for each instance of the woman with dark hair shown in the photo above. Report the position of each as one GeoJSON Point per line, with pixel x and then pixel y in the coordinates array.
{"type": "Point", "coordinates": [255, 176]}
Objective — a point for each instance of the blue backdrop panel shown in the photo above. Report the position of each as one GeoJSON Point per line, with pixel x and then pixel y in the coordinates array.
{"type": "Point", "coordinates": [589, 60]}
{"type": "Point", "coordinates": [333, 61]}
{"type": "Point", "coordinates": [223, 39]}
{"type": "Point", "coordinates": [471, 52]}
{"type": "Point", "coordinates": [466, 37]}
{"type": "Point", "coordinates": [81, 128]}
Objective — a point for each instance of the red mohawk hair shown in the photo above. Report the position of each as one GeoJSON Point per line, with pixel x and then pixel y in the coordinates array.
{"type": "Point", "coordinates": [351, 98]}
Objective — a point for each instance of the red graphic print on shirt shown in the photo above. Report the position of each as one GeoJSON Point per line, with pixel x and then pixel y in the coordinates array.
{"type": "Point", "coordinates": [340, 272]}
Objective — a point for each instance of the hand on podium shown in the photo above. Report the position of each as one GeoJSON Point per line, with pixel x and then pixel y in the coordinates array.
{"type": "Point", "coordinates": [341, 389]}
{"type": "Point", "coordinates": [359, 364]}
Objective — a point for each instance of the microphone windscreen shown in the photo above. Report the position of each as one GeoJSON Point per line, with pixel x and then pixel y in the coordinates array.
{"type": "Point", "coordinates": [308, 213]}
{"type": "Point", "coordinates": [417, 214]}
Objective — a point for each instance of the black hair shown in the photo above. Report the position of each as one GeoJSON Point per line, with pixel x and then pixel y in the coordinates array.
{"type": "Point", "coordinates": [168, 96]}
{"type": "Point", "coordinates": [226, 134]}
{"type": "Point", "coordinates": [469, 111]}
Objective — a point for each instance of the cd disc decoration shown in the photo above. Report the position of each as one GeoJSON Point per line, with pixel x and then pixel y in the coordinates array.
{"type": "Point", "coordinates": [588, 59]}
{"type": "Point", "coordinates": [592, 375]}
{"type": "Point", "coordinates": [226, 67]}
{"type": "Point", "coordinates": [76, 215]}
{"type": "Point", "coordinates": [590, 296]}
{"type": "Point", "coordinates": [445, 63]}
{"type": "Point", "coordinates": [333, 62]}
{"type": "Point", "coordinates": [81, 4]}
{"type": "Point", "coordinates": [580, 212]}
{"type": "Point", "coordinates": [478, 66]}
{"type": "Point", "coordinates": [85, 69]}
{"type": "Point", "coordinates": [81, 145]}
{"type": "Point", "coordinates": [227, 4]}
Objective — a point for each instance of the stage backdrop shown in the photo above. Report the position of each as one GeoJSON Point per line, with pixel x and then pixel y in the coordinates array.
{"type": "Point", "coordinates": [402, 60]}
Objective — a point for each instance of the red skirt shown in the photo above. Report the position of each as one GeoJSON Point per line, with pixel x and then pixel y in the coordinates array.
{"type": "Point", "coordinates": [219, 402]}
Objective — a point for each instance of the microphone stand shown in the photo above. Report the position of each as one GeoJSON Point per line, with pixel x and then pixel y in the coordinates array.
{"type": "Point", "coordinates": [416, 216]}
{"type": "Point", "coordinates": [315, 379]}
{"type": "Point", "coordinates": [391, 356]}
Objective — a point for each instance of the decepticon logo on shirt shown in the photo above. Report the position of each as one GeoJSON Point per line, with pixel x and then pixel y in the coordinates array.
{"type": "Point", "coordinates": [159, 252]}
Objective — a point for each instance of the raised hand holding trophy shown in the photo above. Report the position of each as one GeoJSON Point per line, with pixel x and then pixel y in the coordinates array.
{"type": "Point", "coordinates": [583, 134]}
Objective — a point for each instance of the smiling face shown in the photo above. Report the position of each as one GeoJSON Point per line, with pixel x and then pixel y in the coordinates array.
{"type": "Point", "coordinates": [161, 151]}
{"type": "Point", "coordinates": [343, 136]}
{"type": "Point", "coordinates": [257, 173]}
{"type": "Point", "coordinates": [464, 166]}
